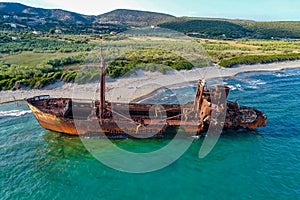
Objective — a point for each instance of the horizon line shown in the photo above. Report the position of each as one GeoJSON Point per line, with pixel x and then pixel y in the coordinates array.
{"type": "Point", "coordinates": [157, 12]}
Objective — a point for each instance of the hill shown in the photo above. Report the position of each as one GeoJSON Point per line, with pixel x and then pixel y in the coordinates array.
{"type": "Point", "coordinates": [232, 29]}
{"type": "Point", "coordinates": [134, 17]}
{"type": "Point", "coordinates": [268, 30]}
{"type": "Point", "coordinates": [20, 10]}
{"type": "Point", "coordinates": [207, 28]}
{"type": "Point", "coordinates": [19, 17]}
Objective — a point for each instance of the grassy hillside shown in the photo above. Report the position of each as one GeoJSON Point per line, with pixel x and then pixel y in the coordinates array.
{"type": "Point", "coordinates": [15, 16]}
{"type": "Point", "coordinates": [134, 17]}
{"type": "Point", "coordinates": [53, 14]}
{"type": "Point", "coordinates": [275, 30]}
{"type": "Point", "coordinates": [233, 29]}
{"type": "Point", "coordinates": [207, 28]}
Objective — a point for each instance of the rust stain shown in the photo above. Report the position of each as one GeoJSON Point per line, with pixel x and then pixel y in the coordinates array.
{"type": "Point", "coordinates": [75, 118]}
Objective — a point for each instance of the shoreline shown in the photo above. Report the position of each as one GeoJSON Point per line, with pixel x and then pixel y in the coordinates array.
{"type": "Point", "coordinates": [242, 70]}
{"type": "Point", "coordinates": [142, 84]}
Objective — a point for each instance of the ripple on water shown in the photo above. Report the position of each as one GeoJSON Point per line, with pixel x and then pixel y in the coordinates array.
{"type": "Point", "coordinates": [260, 164]}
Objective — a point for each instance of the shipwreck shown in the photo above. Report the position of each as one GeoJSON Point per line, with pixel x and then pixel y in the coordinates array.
{"type": "Point", "coordinates": [68, 116]}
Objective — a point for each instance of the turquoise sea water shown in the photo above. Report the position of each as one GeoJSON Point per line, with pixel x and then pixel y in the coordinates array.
{"type": "Point", "coordinates": [260, 164]}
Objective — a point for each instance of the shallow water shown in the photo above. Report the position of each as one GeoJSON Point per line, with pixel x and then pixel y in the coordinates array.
{"type": "Point", "coordinates": [260, 164]}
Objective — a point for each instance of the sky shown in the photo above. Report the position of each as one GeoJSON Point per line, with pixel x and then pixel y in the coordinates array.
{"type": "Point", "coordinates": [259, 10]}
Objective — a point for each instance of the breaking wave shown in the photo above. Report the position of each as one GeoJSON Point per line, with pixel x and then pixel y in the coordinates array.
{"type": "Point", "coordinates": [257, 82]}
{"type": "Point", "coordinates": [236, 87]}
{"type": "Point", "coordinates": [287, 73]}
{"type": "Point", "coordinates": [14, 113]}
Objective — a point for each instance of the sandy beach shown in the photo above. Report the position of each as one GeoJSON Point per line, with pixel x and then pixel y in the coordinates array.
{"type": "Point", "coordinates": [140, 84]}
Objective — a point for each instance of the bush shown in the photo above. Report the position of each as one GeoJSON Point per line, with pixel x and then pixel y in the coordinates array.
{"type": "Point", "coordinates": [181, 65]}
{"type": "Point", "coordinates": [69, 77]}
{"type": "Point", "coordinates": [43, 82]}
{"type": "Point", "coordinates": [255, 59]}
{"type": "Point", "coordinates": [148, 60]}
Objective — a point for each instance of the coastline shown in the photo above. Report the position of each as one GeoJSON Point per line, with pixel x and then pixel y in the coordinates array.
{"type": "Point", "coordinates": [142, 84]}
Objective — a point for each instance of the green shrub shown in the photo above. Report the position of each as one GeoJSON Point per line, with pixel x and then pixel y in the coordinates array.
{"type": "Point", "coordinates": [255, 59]}
{"type": "Point", "coordinates": [69, 76]}
{"type": "Point", "coordinates": [148, 59]}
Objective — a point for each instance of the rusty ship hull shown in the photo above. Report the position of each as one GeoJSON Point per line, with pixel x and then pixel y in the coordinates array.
{"type": "Point", "coordinates": [101, 117]}
{"type": "Point", "coordinates": [73, 124]}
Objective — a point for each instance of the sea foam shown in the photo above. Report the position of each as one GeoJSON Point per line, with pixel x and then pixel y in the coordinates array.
{"type": "Point", "coordinates": [14, 113]}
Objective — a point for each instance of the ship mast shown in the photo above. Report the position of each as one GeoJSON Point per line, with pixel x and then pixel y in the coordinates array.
{"type": "Point", "coordinates": [102, 82]}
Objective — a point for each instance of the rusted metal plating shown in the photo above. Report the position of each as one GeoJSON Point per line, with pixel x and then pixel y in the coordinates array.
{"type": "Point", "coordinates": [64, 115]}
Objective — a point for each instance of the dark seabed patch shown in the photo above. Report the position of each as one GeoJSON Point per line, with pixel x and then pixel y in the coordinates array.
{"type": "Point", "coordinates": [260, 164]}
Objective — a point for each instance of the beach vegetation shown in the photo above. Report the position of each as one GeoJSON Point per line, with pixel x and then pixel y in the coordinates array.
{"type": "Point", "coordinates": [148, 59]}
{"type": "Point", "coordinates": [228, 53]}
{"type": "Point", "coordinates": [255, 59]}
{"type": "Point", "coordinates": [34, 61]}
